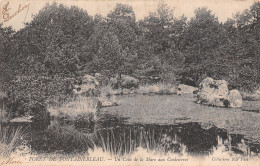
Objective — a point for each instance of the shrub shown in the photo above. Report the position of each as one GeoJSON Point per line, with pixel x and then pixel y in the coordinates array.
{"type": "Point", "coordinates": [30, 95]}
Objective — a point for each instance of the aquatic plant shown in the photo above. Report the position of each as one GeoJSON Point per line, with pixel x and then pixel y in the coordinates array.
{"type": "Point", "coordinates": [130, 141]}
{"type": "Point", "coordinates": [75, 107]}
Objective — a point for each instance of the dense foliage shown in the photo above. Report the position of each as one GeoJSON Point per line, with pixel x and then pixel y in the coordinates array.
{"type": "Point", "coordinates": [40, 62]}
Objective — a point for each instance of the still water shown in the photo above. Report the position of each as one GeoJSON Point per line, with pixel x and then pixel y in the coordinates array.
{"type": "Point", "coordinates": [157, 124]}
{"type": "Point", "coordinates": [177, 124]}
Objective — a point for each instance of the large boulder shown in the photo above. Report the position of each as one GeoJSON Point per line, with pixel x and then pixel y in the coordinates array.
{"type": "Point", "coordinates": [215, 93]}
{"type": "Point", "coordinates": [235, 99]}
{"type": "Point", "coordinates": [125, 81]}
{"type": "Point", "coordinates": [88, 86]}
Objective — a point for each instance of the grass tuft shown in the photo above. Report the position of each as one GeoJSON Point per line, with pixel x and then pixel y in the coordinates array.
{"type": "Point", "coordinates": [10, 140]}
{"type": "Point", "coordinates": [76, 107]}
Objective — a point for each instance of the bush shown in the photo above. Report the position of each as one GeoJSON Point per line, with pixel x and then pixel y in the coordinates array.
{"type": "Point", "coordinates": [30, 95]}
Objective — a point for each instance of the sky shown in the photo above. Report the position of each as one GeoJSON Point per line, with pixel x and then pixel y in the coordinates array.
{"type": "Point", "coordinates": [223, 9]}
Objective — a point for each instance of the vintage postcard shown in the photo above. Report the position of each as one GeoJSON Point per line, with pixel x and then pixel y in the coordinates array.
{"type": "Point", "coordinates": [130, 82]}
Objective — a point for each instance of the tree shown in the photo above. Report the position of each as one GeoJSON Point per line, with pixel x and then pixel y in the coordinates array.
{"type": "Point", "coordinates": [242, 48]}
{"type": "Point", "coordinates": [121, 20]}
{"type": "Point", "coordinates": [6, 49]}
{"type": "Point", "coordinates": [202, 36]}
{"type": "Point", "coordinates": [44, 56]}
{"type": "Point", "coordinates": [109, 56]}
{"type": "Point", "coordinates": [54, 28]}
{"type": "Point", "coordinates": [158, 27]}
{"type": "Point", "coordinates": [123, 12]}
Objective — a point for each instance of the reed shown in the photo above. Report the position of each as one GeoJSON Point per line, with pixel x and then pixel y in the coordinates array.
{"type": "Point", "coordinates": [10, 139]}
{"type": "Point", "coordinates": [130, 141]}
{"type": "Point", "coordinates": [75, 107]}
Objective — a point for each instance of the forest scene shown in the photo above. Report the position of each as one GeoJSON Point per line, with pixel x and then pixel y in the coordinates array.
{"type": "Point", "coordinates": [71, 82]}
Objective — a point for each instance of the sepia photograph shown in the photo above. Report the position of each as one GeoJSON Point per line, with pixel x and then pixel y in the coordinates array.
{"type": "Point", "coordinates": [130, 82]}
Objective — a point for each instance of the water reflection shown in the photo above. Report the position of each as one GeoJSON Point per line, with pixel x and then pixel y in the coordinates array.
{"type": "Point", "coordinates": [116, 136]}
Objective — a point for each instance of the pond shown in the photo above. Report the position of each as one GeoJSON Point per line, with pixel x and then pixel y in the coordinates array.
{"type": "Point", "coordinates": [199, 127]}
{"type": "Point", "coordinates": [159, 124]}
{"type": "Point", "coordinates": [172, 109]}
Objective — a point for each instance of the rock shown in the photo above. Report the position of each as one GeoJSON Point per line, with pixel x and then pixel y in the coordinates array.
{"type": "Point", "coordinates": [109, 104]}
{"type": "Point", "coordinates": [24, 119]}
{"type": "Point", "coordinates": [125, 81]}
{"type": "Point", "coordinates": [87, 87]}
{"type": "Point", "coordinates": [129, 82]}
{"type": "Point", "coordinates": [98, 75]}
{"type": "Point", "coordinates": [212, 92]}
{"type": "Point", "coordinates": [179, 92]}
{"type": "Point", "coordinates": [215, 93]}
{"type": "Point", "coordinates": [195, 92]}
{"type": "Point", "coordinates": [235, 99]}
{"type": "Point", "coordinates": [88, 79]}
{"type": "Point", "coordinates": [187, 89]}
{"type": "Point", "coordinates": [173, 90]}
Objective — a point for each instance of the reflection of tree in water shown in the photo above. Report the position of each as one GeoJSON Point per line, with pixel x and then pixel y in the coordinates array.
{"type": "Point", "coordinates": [115, 136]}
{"type": "Point", "coordinates": [120, 138]}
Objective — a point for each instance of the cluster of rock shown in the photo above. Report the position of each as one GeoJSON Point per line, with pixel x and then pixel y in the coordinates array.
{"type": "Point", "coordinates": [89, 87]}
{"type": "Point", "coordinates": [210, 92]}
{"type": "Point", "coordinates": [215, 93]}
